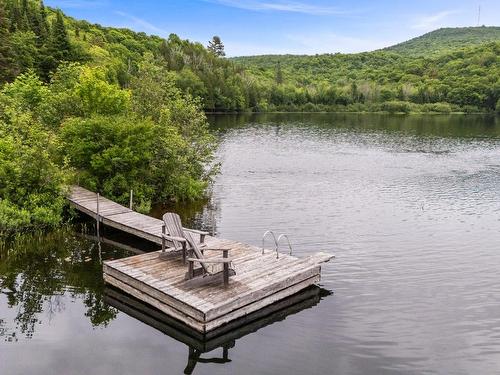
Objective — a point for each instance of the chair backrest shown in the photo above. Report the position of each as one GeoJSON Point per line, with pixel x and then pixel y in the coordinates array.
{"type": "Point", "coordinates": [173, 227]}
{"type": "Point", "coordinates": [196, 250]}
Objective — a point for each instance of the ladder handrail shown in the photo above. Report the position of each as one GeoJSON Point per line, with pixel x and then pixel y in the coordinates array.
{"type": "Point", "coordinates": [287, 239]}
{"type": "Point", "coordinates": [274, 237]}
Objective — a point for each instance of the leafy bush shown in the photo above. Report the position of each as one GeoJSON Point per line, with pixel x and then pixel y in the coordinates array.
{"type": "Point", "coordinates": [83, 129]}
{"type": "Point", "coordinates": [31, 184]}
{"type": "Point", "coordinates": [438, 107]}
{"type": "Point", "coordinates": [396, 107]}
{"type": "Point", "coordinates": [110, 154]}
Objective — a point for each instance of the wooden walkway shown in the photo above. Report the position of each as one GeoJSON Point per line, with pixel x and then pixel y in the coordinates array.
{"type": "Point", "coordinates": [202, 303]}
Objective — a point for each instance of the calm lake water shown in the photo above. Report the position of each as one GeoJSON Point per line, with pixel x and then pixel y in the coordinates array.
{"type": "Point", "coordinates": [410, 205]}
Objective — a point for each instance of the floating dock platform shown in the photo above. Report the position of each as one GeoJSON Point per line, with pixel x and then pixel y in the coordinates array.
{"type": "Point", "coordinates": [202, 303]}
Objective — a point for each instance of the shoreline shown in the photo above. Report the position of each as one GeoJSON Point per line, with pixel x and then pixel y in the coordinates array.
{"type": "Point", "coordinates": [353, 112]}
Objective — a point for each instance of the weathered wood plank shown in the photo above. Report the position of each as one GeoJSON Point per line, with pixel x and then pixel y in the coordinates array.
{"type": "Point", "coordinates": [156, 294]}
{"type": "Point", "coordinates": [259, 304]}
{"type": "Point", "coordinates": [166, 308]}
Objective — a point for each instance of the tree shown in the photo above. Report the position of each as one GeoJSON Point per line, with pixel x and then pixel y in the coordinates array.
{"type": "Point", "coordinates": [278, 74]}
{"type": "Point", "coordinates": [216, 47]}
{"type": "Point", "coordinates": [60, 46]}
{"type": "Point", "coordinates": [6, 61]}
{"type": "Point", "coordinates": [31, 184]}
{"type": "Point", "coordinates": [152, 88]}
{"type": "Point", "coordinates": [39, 24]}
{"type": "Point", "coordinates": [97, 96]}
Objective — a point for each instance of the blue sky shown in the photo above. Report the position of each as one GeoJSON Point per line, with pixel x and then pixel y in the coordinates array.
{"type": "Point", "coordinates": [250, 27]}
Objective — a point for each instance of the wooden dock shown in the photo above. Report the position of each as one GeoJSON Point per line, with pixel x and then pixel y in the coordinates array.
{"type": "Point", "coordinates": [202, 303]}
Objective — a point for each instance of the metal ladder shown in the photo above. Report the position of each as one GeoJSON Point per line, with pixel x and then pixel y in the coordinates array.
{"type": "Point", "coordinates": [276, 242]}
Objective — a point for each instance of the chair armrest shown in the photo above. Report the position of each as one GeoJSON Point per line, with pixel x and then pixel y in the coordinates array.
{"type": "Point", "coordinates": [196, 231]}
{"type": "Point", "coordinates": [210, 260]}
{"type": "Point", "coordinates": [200, 232]}
{"type": "Point", "coordinates": [172, 238]}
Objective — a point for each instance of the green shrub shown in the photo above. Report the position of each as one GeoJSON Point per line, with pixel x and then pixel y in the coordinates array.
{"type": "Point", "coordinates": [438, 107]}
{"type": "Point", "coordinates": [396, 106]}
{"type": "Point", "coordinates": [31, 184]}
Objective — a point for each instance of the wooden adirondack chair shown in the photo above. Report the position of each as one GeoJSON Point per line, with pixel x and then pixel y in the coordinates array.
{"type": "Point", "coordinates": [174, 232]}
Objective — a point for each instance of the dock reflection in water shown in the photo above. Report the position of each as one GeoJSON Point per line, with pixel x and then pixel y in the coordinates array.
{"type": "Point", "coordinates": [224, 337]}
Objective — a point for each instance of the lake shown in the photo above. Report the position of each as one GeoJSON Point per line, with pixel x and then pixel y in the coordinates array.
{"type": "Point", "coordinates": [410, 206]}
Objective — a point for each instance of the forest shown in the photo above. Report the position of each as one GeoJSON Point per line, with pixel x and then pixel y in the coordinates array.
{"type": "Point", "coordinates": [72, 115]}
{"type": "Point", "coordinates": [114, 110]}
{"type": "Point", "coordinates": [447, 70]}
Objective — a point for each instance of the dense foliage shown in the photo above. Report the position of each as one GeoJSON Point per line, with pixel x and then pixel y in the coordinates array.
{"type": "Point", "coordinates": [466, 79]}
{"type": "Point", "coordinates": [447, 39]}
{"type": "Point", "coordinates": [35, 37]}
{"type": "Point", "coordinates": [454, 69]}
{"type": "Point", "coordinates": [75, 121]}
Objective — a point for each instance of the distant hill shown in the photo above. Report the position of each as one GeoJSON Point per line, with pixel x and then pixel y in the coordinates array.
{"type": "Point", "coordinates": [458, 66]}
{"type": "Point", "coordinates": [446, 39]}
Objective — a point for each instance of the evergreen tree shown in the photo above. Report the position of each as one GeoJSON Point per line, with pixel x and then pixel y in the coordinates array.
{"type": "Point", "coordinates": [6, 61]}
{"type": "Point", "coordinates": [39, 24]}
{"type": "Point", "coordinates": [24, 24]}
{"type": "Point", "coordinates": [216, 47]}
{"type": "Point", "coordinates": [43, 18]}
{"type": "Point", "coordinates": [60, 46]}
{"type": "Point", "coordinates": [15, 16]}
{"type": "Point", "coordinates": [278, 76]}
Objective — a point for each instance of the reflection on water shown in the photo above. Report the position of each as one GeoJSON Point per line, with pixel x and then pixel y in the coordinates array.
{"type": "Point", "coordinates": [40, 272]}
{"type": "Point", "coordinates": [224, 337]}
{"type": "Point", "coordinates": [410, 205]}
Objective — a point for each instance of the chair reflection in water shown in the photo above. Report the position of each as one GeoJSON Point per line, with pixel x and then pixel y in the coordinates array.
{"type": "Point", "coordinates": [223, 337]}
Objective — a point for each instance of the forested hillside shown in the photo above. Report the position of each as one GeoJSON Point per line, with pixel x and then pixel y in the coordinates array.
{"type": "Point", "coordinates": [94, 106]}
{"type": "Point", "coordinates": [39, 38]}
{"type": "Point", "coordinates": [465, 79]}
{"type": "Point", "coordinates": [447, 39]}
{"type": "Point", "coordinates": [454, 69]}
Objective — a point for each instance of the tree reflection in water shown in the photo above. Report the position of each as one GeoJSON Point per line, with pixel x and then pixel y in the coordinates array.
{"type": "Point", "coordinates": [37, 270]}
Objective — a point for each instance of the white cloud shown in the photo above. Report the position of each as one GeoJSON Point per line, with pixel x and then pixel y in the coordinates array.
{"type": "Point", "coordinates": [141, 24]}
{"type": "Point", "coordinates": [433, 21]}
{"type": "Point", "coordinates": [280, 6]}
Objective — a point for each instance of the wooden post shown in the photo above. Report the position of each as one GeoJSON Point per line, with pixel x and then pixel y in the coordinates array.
{"type": "Point", "coordinates": [190, 269]}
{"type": "Point", "coordinates": [97, 215]}
{"type": "Point", "coordinates": [163, 245]}
{"type": "Point", "coordinates": [226, 268]}
{"type": "Point", "coordinates": [131, 198]}
{"type": "Point", "coordinates": [184, 250]}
